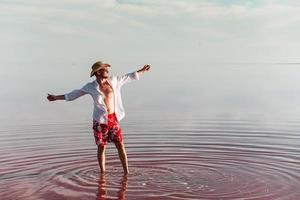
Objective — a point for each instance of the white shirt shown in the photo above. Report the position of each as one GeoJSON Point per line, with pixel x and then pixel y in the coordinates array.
{"type": "Point", "coordinates": [100, 110]}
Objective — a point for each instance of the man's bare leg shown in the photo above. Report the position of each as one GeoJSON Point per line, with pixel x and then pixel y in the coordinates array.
{"type": "Point", "coordinates": [101, 157]}
{"type": "Point", "coordinates": [122, 156]}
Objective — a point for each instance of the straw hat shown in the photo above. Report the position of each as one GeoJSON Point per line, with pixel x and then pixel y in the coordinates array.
{"type": "Point", "coordinates": [97, 66]}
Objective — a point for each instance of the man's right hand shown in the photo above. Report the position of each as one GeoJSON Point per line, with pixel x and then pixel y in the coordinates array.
{"type": "Point", "coordinates": [51, 97]}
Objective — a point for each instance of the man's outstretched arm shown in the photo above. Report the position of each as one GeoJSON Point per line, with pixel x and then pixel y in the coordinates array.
{"type": "Point", "coordinates": [52, 97]}
{"type": "Point", "coordinates": [133, 75]}
{"type": "Point", "coordinates": [71, 95]}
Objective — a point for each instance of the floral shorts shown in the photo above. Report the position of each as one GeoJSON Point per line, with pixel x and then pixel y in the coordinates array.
{"type": "Point", "coordinates": [110, 132]}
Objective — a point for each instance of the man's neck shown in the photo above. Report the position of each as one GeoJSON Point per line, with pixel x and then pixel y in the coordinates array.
{"type": "Point", "coordinates": [101, 80]}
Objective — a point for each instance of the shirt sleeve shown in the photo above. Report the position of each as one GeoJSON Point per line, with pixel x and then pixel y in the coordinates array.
{"type": "Point", "coordinates": [127, 78]}
{"type": "Point", "coordinates": [76, 93]}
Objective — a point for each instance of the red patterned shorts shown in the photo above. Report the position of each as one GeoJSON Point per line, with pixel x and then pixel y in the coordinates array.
{"type": "Point", "coordinates": [106, 133]}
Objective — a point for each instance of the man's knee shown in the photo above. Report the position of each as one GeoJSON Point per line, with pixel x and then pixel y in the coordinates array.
{"type": "Point", "coordinates": [120, 145]}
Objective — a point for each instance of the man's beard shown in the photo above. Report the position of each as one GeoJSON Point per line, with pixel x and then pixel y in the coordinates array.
{"type": "Point", "coordinates": [105, 76]}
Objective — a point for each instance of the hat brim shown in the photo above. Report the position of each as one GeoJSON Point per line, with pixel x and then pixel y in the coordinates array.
{"type": "Point", "coordinates": [97, 69]}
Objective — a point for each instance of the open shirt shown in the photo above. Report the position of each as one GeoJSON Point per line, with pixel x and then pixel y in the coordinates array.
{"type": "Point", "coordinates": [100, 110]}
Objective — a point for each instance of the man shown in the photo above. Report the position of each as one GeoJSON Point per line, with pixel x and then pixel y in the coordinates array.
{"type": "Point", "coordinates": [108, 108]}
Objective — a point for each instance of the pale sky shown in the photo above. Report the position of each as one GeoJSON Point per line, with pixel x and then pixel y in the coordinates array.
{"type": "Point", "coordinates": [49, 46]}
{"type": "Point", "coordinates": [160, 30]}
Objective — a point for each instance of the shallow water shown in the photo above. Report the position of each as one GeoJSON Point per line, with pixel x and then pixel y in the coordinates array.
{"type": "Point", "coordinates": [170, 157]}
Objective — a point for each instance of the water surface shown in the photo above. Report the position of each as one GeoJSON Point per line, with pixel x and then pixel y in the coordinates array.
{"type": "Point", "coordinates": [170, 157]}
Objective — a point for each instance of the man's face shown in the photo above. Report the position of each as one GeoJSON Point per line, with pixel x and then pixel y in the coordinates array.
{"type": "Point", "coordinates": [103, 72]}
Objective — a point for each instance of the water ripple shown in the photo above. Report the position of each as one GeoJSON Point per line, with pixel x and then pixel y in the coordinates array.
{"type": "Point", "coordinates": [200, 159]}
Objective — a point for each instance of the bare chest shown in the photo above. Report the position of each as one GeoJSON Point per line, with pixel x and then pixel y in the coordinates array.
{"type": "Point", "coordinates": [107, 90]}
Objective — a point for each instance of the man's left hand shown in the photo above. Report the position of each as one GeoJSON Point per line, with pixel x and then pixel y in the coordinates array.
{"type": "Point", "coordinates": [145, 68]}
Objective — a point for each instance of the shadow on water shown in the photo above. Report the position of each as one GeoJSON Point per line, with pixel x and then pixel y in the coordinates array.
{"type": "Point", "coordinates": [103, 191]}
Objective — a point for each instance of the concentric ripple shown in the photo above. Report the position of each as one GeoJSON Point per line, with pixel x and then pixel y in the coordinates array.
{"type": "Point", "coordinates": [197, 159]}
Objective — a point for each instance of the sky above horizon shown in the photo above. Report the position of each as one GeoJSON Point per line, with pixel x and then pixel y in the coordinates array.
{"type": "Point", "coordinates": [190, 30]}
{"type": "Point", "coordinates": [49, 46]}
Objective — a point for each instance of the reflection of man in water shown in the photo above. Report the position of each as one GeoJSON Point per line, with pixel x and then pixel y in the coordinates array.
{"type": "Point", "coordinates": [102, 188]}
{"type": "Point", "coordinates": [108, 108]}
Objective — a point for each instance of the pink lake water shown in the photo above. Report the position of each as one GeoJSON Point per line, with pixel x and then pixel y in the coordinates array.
{"type": "Point", "coordinates": [170, 157]}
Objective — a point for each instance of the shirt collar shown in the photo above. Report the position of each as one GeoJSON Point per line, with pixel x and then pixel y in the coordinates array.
{"type": "Point", "coordinates": [96, 84]}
